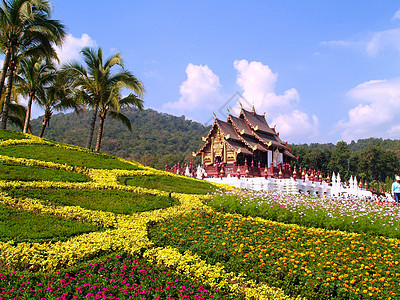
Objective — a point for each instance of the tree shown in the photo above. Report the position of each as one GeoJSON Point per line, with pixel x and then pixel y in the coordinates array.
{"type": "Point", "coordinates": [33, 74]}
{"type": "Point", "coordinates": [96, 81]}
{"type": "Point", "coordinates": [340, 160]}
{"type": "Point", "coordinates": [25, 27]}
{"type": "Point", "coordinates": [58, 96]}
{"type": "Point", "coordinates": [113, 103]}
{"type": "Point", "coordinates": [16, 112]}
{"type": "Point", "coordinates": [314, 159]}
{"type": "Point", "coordinates": [377, 163]}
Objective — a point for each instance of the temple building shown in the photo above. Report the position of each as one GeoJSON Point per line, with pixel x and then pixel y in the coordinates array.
{"type": "Point", "coordinates": [246, 141]}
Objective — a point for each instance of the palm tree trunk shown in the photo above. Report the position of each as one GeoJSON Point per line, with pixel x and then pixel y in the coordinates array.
{"type": "Point", "coordinates": [3, 74]}
{"type": "Point", "coordinates": [92, 124]}
{"type": "Point", "coordinates": [45, 122]}
{"type": "Point", "coordinates": [100, 133]}
{"type": "Point", "coordinates": [28, 113]}
{"type": "Point", "coordinates": [6, 107]}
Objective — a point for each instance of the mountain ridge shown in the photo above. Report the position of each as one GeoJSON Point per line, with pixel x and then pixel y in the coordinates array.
{"type": "Point", "coordinates": [159, 138]}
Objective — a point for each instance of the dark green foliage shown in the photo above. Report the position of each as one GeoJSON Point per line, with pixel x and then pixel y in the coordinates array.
{"type": "Point", "coordinates": [372, 160]}
{"type": "Point", "coordinates": [340, 160]}
{"type": "Point", "coordinates": [105, 200]}
{"type": "Point", "coordinates": [66, 156]}
{"type": "Point", "coordinates": [156, 138]}
{"type": "Point", "coordinates": [25, 173]}
{"type": "Point", "coordinates": [170, 184]}
{"type": "Point", "coordinates": [23, 226]}
{"type": "Point", "coordinates": [377, 164]}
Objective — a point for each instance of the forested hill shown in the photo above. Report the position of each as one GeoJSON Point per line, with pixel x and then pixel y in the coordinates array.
{"type": "Point", "coordinates": [156, 138]}
{"type": "Point", "coordinates": [361, 144]}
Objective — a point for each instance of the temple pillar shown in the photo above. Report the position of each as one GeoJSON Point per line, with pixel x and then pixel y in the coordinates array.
{"type": "Point", "coordinates": [212, 150]}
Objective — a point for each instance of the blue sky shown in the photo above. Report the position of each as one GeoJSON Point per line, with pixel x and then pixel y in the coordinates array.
{"type": "Point", "coordinates": [323, 71]}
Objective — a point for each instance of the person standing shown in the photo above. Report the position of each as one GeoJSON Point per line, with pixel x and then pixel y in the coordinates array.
{"type": "Point", "coordinates": [396, 190]}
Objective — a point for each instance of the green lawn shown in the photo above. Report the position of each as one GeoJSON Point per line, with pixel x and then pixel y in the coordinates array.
{"type": "Point", "coordinates": [11, 135]}
{"type": "Point", "coordinates": [26, 173]}
{"type": "Point", "coordinates": [66, 156]}
{"type": "Point", "coordinates": [23, 226]}
{"type": "Point", "coordinates": [120, 202]}
{"type": "Point", "coordinates": [169, 184]}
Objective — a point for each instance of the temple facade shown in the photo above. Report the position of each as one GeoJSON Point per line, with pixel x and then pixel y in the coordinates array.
{"type": "Point", "coordinates": [244, 144]}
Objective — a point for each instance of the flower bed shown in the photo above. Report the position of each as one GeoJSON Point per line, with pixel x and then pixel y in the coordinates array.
{"type": "Point", "coordinates": [377, 218]}
{"type": "Point", "coordinates": [116, 278]}
{"type": "Point", "coordinates": [313, 263]}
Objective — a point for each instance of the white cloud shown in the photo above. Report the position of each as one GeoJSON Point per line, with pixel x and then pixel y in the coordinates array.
{"type": "Point", "coordinates": [70, 50]}
{"type": "Point", "coordinates": [372, 43]}
{"type": "Point", "coordinates": [296, 125]}
{"type": "Point", "coordinates": [396, 15]}
{"type": "Point", "coordinates": [383, 39]}
{"type": "Point", "coordinates": [201, 94]}
{"type": "Point", "coordinates": [258, 83]}
{"type": "Point", "coordinates": [376, 113]}
{"type": "Point", "coordinates": [341, 43]}
{"type": "Point", "coordinates": [201, 90]}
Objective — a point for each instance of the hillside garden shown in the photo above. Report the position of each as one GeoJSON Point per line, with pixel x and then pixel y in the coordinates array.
{"type": "Point", "coordinates": [79, 224]}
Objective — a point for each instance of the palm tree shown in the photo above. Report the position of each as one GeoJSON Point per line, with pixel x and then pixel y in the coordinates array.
{"type": "Point", "coordinates": [96, 80]}
{"type": "Point", "coordinates": [16, 112]}
{"type": "Point", "coordinates": [58, 96]}
{"type": "Point", "coordinates": [33, 74]}
{"type": "Point", "coordinates": [112, 105]}
{"type": "Point", "coordinates": [25, 27]}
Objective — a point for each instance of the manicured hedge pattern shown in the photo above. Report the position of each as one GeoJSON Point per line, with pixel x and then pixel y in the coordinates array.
{"type": "Point", "coordinates": [170, 184]}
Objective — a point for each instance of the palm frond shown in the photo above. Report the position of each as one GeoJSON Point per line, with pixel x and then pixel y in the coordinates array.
{"type": "Point", "coordinates": [122, 118]}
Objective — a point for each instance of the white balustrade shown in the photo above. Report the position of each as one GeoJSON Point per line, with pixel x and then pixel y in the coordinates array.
{"type": "Point", "coordinates": [288, 185]}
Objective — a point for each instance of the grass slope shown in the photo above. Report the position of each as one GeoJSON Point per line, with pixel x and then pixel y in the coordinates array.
{"type": "Point", "coordinates": [169, 184]}
{"type": "Point", "coordinates": [55, 154]}
{"type": "Point", "coordinates": [23, 226]}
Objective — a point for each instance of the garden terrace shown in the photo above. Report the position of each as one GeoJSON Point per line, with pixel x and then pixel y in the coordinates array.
{"type": "Point", "coordinates": [118, 202]}
{"type": "Point", "coordinates": [31, 173]}
{"type": "Point", "coordinates": [125, 225]}
{"type": "Point", "coordinates": [52, 153]}
{"type": "Point", "coordinates": [169, 184]}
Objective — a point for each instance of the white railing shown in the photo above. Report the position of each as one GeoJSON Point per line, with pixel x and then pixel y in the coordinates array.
{"type": "Point", "coordinates": [334, 189]}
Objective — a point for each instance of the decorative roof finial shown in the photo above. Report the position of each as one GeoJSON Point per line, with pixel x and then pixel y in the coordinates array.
{"type": "Point", "coordinates": [241, 106]}
{"type": "Point", "coordinates": [253, 109]}
{"type": "Point", "coordinates": [215, 116]}
{"type": "Point", "coordinates": [228, 110]}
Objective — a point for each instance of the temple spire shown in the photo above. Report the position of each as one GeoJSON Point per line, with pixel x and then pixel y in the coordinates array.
{"type": "Point", "coordinates": [253, 109]}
